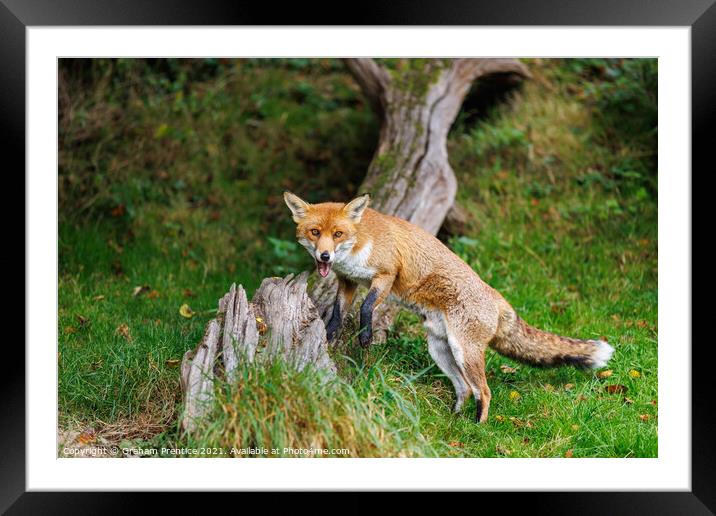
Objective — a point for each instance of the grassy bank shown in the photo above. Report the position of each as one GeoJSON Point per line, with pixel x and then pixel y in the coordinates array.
{"type": "Point", "coordinates": [171, 176]}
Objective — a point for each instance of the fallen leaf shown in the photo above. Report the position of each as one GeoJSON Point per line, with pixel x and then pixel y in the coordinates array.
{"type": "Point", "coordinates": [516, 421]}
{"type": "Point", "coordinates": [642, 324]}
{"type": "Point", "coordinates": [188, 293]}
{"type": "Point", "coordinates": [569, 454]}
{"type": "Point", "coordinates": [634, 373]}
{"type": "Point", "coordinates": [549, 387]}
{"type": "Point", "coordinates": [118, 211]}
{"type": "Point", "coordinates": [161, 131]}
{"type": "Point", "coordinates": [123, 330]}
{"type": "Point", "coordinates": [644, 417]}
{"type": "Point", "coordinates": [98, 298]}
{"type": "Point", "coordinates": [86, 437]}
{"type": "Point", "coordinates": [514, 395]}
{"type": "Point", "coordinates": [70, 330]}
{"type": "Point", "coordinates": [507, 369]}
{"type": "Point", "coordinates": [153, 294]}
{"type": "Point", "coordinates": [568, 386]}
{"type": "Point", "coordinates": [628, 401]}
{"type": "Point", "coordinates": [82, 320]}
{"type": "Point", "coordinates": [502, 451]}
{"type": "Point", "coordinates": [615, 389]}
{"type": "Point", "coordinates": [519, 423]}
{"type": "Point", "coordinates": [500, 418]}
{"type": "Point", "coordinates": [172, 362]}
{"type": "Point", "coordinates": [261, 326]}
{"type": "Point", "coordinates": [186, 311]}
{"type": "Point", "coordinates": [605, 374]}
{"type": "Point", "coordinates": [575, 427]}
{"type": "Point", "coordinates": [139, 289]}
{"type": "Point", "coordinates": [456, 444]}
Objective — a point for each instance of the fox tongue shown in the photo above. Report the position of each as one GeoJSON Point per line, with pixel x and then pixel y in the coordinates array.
{"type": "Point", "coordinates": [323, 268]}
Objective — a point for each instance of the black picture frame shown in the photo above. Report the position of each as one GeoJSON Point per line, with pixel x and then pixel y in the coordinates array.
{"type": "Point", "coordinates": [17, 15]}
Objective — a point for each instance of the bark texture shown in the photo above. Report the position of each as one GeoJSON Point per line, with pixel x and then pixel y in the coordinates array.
{"type": "Point", "coordinates": [280, 322]}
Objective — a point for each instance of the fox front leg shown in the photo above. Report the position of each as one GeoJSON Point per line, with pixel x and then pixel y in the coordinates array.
{"type": "Point", "coordinates": [344, 297]}
{"type": "Point", "coordinates": [379, 289]}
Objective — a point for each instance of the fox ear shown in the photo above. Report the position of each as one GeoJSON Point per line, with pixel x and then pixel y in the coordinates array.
{"type": "Point", "coordinates": [298, 206]}
{"type": "Point", "coordinates": [356, 207]}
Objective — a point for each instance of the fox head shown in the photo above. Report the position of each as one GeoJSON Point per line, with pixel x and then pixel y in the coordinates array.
{"type": "Point", "coordinates": [327, 230]}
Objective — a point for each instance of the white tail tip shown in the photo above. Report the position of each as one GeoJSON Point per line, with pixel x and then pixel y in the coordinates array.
{"type": "Point", "coordinates": [603, 353]}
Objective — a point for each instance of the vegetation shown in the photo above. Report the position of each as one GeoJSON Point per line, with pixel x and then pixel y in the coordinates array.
{"type": "Point", "coordinates": [171, 175]}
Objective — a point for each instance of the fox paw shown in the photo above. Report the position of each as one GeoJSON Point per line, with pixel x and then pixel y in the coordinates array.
{"type": "Point", "coordinates": [332, 330]}
{"type": "Point", "coordinates": [365, 337]}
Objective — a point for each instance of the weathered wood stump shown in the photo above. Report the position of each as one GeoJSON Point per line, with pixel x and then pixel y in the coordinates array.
{"type": "Point", "coordinates": [281, 322]}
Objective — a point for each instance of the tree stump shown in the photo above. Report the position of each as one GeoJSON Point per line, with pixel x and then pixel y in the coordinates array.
{"type": "Point", "coordinates": [281, 322]}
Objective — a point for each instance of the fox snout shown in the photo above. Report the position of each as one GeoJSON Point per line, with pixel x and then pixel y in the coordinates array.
{"type": "Point", "coordinates": [324, 259]}
{"type": "Point", "coordinates": [324, 250]}
{"type": "Point", "coordinates": [323, 254]}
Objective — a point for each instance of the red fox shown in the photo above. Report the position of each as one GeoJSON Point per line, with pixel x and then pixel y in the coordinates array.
{"type": "Point", "coordinates": [462, 314]}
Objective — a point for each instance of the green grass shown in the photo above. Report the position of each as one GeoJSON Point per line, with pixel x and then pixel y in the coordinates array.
{"type": "Point", "coordinates": [171, 179]}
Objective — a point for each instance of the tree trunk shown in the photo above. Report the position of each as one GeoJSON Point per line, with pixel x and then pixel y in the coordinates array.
{"type": "Point", "coordinates": [280, 322]}
{"type": "Point", "coordinates": [418, 99]}
{"type": "Point", "coordinates": [410, 176]}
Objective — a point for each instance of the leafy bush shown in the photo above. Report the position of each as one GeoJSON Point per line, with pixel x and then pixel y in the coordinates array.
{"type": "Point", "coordinates": [628, 100]}
{"type": "Point", "coordinates": [624, 93]}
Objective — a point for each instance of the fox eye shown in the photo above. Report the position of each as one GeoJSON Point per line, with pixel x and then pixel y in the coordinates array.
{"type": "Point", "coordinates": [338, 234]}
{"type": "Point", "coordinates": [315, 232]}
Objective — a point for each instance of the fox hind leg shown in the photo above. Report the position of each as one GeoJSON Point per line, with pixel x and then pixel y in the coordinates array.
{"type": "Point", "coordinates": [439, 350]}
{"type": "Point", "coordinates": [483, 402]}
{"type": "Point", "coordinates": [469, 356]}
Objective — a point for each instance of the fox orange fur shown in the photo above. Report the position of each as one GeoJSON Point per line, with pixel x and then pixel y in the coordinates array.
{"type": "Point", "coordinates": [462, 314]}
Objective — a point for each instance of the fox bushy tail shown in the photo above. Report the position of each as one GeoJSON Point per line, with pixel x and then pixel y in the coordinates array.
{"type": "Point", "coordinates": [517, 339]}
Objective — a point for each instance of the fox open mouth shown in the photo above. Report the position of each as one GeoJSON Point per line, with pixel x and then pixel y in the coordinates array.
{"type": "Point", "coordinates": [323, 268]}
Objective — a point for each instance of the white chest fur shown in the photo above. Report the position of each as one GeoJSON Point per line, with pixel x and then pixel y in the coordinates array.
{"type": "Point", "coordinates": [354, 266]}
